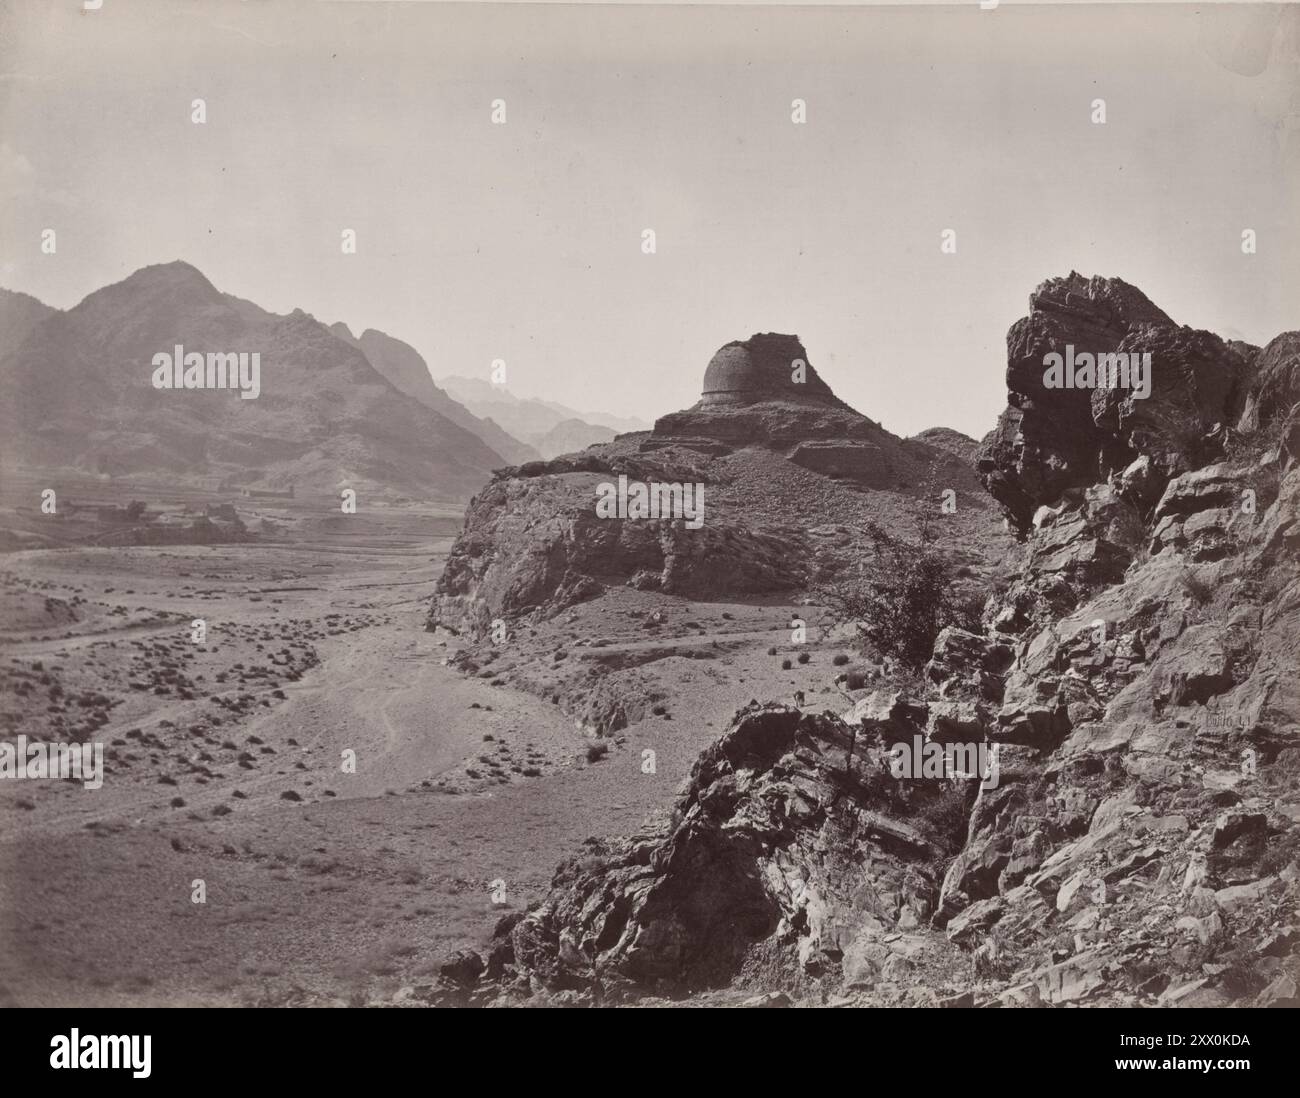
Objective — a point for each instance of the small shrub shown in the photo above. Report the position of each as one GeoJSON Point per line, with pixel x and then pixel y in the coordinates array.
{"type": "Point", "coordinates": [902, 600]}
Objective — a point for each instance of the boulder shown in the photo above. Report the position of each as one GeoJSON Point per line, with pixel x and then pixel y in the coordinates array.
{"type": "Point", "coordinates": [1050, 440]}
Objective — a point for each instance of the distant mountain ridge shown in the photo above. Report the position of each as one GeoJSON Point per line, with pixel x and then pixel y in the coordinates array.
{"type": "Point", "coordinates": [76, 394]}
{"type": "Point", "coordinates": [570, 435]}
{"type": "Point", "coordinates": [404, 366]}
{"type": "Point", "coordinates": [551, 428]}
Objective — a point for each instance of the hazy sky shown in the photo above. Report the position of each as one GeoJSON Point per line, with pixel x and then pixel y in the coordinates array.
{"type": "Point", "coordinates": [523, 241]}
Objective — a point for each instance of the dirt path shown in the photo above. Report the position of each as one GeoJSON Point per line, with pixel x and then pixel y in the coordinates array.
{"type": "Point", "coordinates": [387, 698]}
{"type": "Point", "coordinates": [338, 883]}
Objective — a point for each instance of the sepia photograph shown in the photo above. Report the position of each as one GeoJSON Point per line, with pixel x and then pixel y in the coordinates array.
{"type": "Point", "coordinates": [631, 505]}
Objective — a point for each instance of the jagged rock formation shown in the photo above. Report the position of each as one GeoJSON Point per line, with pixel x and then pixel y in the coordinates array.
{"type": "Point", "coordinates": [776, 459]}
{"type": "Point", "coordinates": [777, 845]}
{"type": "Point", "coordinates": [1141, 844]}
{"type": "Point", "coordinates": [1052, 439]}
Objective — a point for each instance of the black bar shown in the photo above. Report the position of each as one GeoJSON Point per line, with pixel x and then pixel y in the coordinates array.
{"type": "Point", "coordinates": [329, 1047]}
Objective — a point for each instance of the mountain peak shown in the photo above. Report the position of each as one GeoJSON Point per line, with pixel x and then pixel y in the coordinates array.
{"type": "Point", "coordinates": [175, 283]}
{"type": "Point", "coordinates": [77, 394]}
{"type": "Point", "coordinates": [1111, 302]}
{"type": "Point", "coordinates": [177, 272]}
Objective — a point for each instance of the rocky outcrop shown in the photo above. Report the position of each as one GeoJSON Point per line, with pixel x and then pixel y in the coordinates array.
{"type": "Point", "coordinates": [534, 543]}
{"type": "Point", "coordinates": [786, 851]}
{"type": "Point", "coordinates": [1275, 384]}
{"type": "Point", "coordinates": [1141, 841]}
{"type": "Point", "coordinates": [775, 456]}
{"type": "Point", "coordinates": [1053, 439]}
{"type": "Point", "coordinates": [1146, 705]}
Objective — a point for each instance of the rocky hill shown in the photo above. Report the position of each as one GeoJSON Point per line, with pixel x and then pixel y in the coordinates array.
{"type": "Point", "coordinates": [76, 393]}
{"type": "Point", "coordinates": [1138, 843]}
{"type": "Point", "coordinates": [793, 482]}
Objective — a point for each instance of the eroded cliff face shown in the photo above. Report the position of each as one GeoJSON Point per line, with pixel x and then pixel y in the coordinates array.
{"type": "Point", "coordinates": [534, 543]}
{"type": "Point", "coordinates": [1138, 679]}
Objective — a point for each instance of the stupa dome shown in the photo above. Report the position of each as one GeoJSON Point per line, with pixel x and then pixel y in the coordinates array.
{"type": "Point", "coordinates": [763, 367]}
